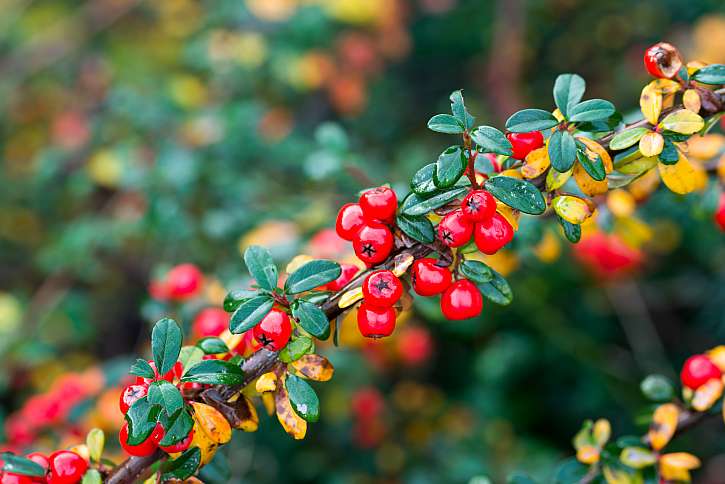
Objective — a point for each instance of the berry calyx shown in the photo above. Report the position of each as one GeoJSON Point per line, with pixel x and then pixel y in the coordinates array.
{"type": "Point", "coordinates": [130, 394]}
{"type": "Point", "coordinates": [379, 203]}
{"type": "Point", "coordinates": [662, 60]}
{"type": "Point", "coordinates": [720, 213]}
{"type": "Point", "coordinates": [347, 272]}
{"type": "Point", "coordinates": [374, 243]}
{"type": "Point", "coordinates": [382, 288]}
{"type": "Point", "coordinates": [274, 330]}
{"type": "Point", "coordinates": [454, 230]}
{"type": "Point", "coordinates": [349, 221]}
{"type": "Point", "coordinates": [374, 321]}
{"type": "Point", "coordinates": [429, 278]}
{"type": "Point", "coordinates": [210, 322]}
{"type": "Point", "coordinates": [180, 446]}
{"type": "Point", "coordinates": [492, 235]}
{"type": "Point", "coordinates": [147, 447]}
{"type": "Point", "coordinates": [478, 206]}
{"type": "Point", "coordinates": [462, 300]}
{"type": "Point", "coordinates": [524, 143]}
{"type": "Point", "coordinates": [184, 281]}
{"type": "Point", "coordinates": [698, 370]}
{"type": "Point", "coordinates": [66, 467]}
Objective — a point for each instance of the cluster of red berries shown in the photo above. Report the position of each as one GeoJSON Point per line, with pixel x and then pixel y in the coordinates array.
{"type": "Point", "coordinates": [61, 467]}
{"type": "Point", "coordinates": [460, 299]}
{"type": "Point", "coordinates": [662, 60]}
{"type": "Point", "coordinates": [138, 390]}
{"type": "Point", "coordinates": [181, 283]}
{"type": "Point", "coordinates": [476, 217]}
{"type": "Point", "coordinates": [376, 315]}
{"type": "Point", "coordinates": [366, 224]}
{"type": "Point", "coordinates": [698, 370]}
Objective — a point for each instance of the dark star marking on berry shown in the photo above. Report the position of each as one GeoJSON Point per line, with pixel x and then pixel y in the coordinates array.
{"type": "Point", "coordinates": [474, 204]}
{"type": "Point", "coordinates": [381, 285]}
{"type": "Point", "coordinates": [265, 340]}
{"type": "Point", "coordinates": [447, 236]}
{"type": "Point", "coordinates": [368, 250]}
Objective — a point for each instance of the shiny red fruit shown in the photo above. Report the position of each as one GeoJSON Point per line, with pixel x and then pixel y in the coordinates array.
{"type": "Point", "coordinates": [698, 370]}
{"type": "Point", "coordinates": [492, 235]}
{"type": "Point", "coordinates": [130, 394]}
{"type": "Point", "coordinates": [662, 60]}
{"type": "Point", "coordinates": [39, 459]}
{"type": "Point", "coordinates": [147, 447]}
{"type": "Point", "coordinates": [382, 288]}
{"type": "Point", "coordinates": [375, 322]}
{"type": "Point", "coordinates": [10, 478]}
{"type": "Point", "coordinates": [462, 300]}
{"type": "Point", "coordinates": [454, 230]}
{"type": "Point", "coordinates": [720, 213]}
{"type": "Point", "coordinates": [274, 330]}
{"type": "Point", "coordinates": [180, 446]}
{"type": "Point", "coordinates": [346, 274]}
{"type": "Point", "coordinates": [429, 278]}
{"type": "Point", "coordinates": [210, 322]}
{"type": "Point", "coordinates": [524, 143]}
{"type": "Point", "coordinates": [478, 206]}
{"type": "Point", "coordinates": [379, 203]}
{"type": "Point", "coordinates": [184, 281]}
{"type": "Point", "coordinates": [374, 243]}
{"type": "Point", "coordinates": [66, 467]}
{"type": "Point", "coordinates": [349, 221]}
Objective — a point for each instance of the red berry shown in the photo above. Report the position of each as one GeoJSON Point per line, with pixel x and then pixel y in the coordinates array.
{"type": "Point", "coordinates": [379, 203]}
{"type": "Point", "coordinates": [348, 272]}
{"type": "Point", "coordinates": [274, 330]}
{"type": "Point", "coordinates": [375, 322]}
{"type": "Point", "coordinates": [130, 394]}
{"type": "Point", "coordinates": [349, 221]}
{"type": "Point", "coordinates": [720, 213]}
{"type": "Point", "coordinates": [180, 446]}
{"type": "Point", "coordinates": [462, 300]}
{"type": "Point", "coordinates": [524, 143]}
{"type": "Point", "coordinates": [662, 60]}
{"type": "Point", "coordinates": [429, 278]}
{"type": "Point", "coordinates": [382, 288]}
{"type": "Point", "coordinates": [415, 346]}
{"type": "Point", "coordinates": [210, 322]}
{"type": "Point", "coordinates": [478, 206]}
{"type": "Point", "coordinates": [454, 230]}
{"type": "Point", "coordinates": [374, 243]}
{"type": "Point", "coordinates": [175, 372]}
{"type": "Point", "coordinates": [698, 370]}
{"type": "Point", "coordinates": [39, 459]}
{"type": "Point", "coordinates": [367, 403]}
{"type": "Point", "coordinates": [147, 447]}
{"type": "Point", "coordinates": [66, 467]}
{"type": "Point", "coordinates": [493, 234]}
{"type": "Point", "coordinates": [10, 478]}
{"type": "Point", "coordinates": [184, 281]}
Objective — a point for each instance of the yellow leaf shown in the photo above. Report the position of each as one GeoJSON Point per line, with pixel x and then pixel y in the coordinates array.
{"type": "Point", "coordinates": [664, 424]}
{"type": "Point", "coordinates": [681, 177]}
{"type": "Point", "coordinates": [95, 441]}
{"type": "Point", "coordinates": [350, 297]}
{"type": "Point", "coordinates": [82, 450]}
{"type": "Point", "coordinates": [621, 203]}
{"type": "Point", "coordinates": [599, 150]}
{"type": "Point", "coordinates": [638, 165]}
{"type": "Point", "coordinates": [205, 444]}
{"type": "Point", "coordinates": [651, 144]}
{"type": "Point", "coordinates": [548, 248]}
{"type": "Point", "coordinates": [705, 147]}
{"type": "Point", "coordinates": [601, 431]}
{"type": "Point", "coordinates": [620, 476]}
{"type": "Point", "coordinates": [291, 422]}
{"type": "Point", "coordinates": [401, 263]}
{"type": "Point", "coordinates": [650, 102]}
{"type": "Point", "coordinates": [555, 180]}
{"type": "Point", "coordinates": [717, 356]}
{"type": "Point", "coordinates": [643, 186]}
{"type": "Point", "coordinates": [587, 184]}
{"type": "Point", "coordinates": [721, 168]}
{"type": "Point", "coordinates": [691, 101]}
{"type": "Point", "coordinates": [665, 86]}
{"type": "Point", "coordinates": [587, 454]}
{"type": "Point", "coordinates": [512, 173]}
{"type": "Point", "coordinates": [247, 415]}
{"type": "Point", "coordinates": [557, 114]}
{"type": "Point", "coordinates": [314, 367]}
{"type": "Point", "coordinates": [706, 396]}
{"type": "Point", "coordinates": [633, 231]}
{"type": "Point", "coordinates": [537, 161]}
{"type": "Point", "coordinates": [212, 422]}
{"type": "Point", "coordinates": [572, 209]}
{"type": "Point", "coordinates": [683, 122]}
{"type": "Point", "coordinates": [268, 402]}
{"type": "Point", "coordinates": [266, 383]}
{"type": "Point", "coordinates": [511, 216]}
{"type": "Point", "coordinates": [668, 101]}
{"type": "Point", "coordinates": [682, 460]}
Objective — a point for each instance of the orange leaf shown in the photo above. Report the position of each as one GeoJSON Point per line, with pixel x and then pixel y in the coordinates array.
{"type": "Point", "coordinates": [314, 367]}
{"type": "Point", "coordinates": [681, 177]}
{"type": "Point", "coordinates": [587, 184]}
{"type": "Point", "coordinates": [212, 422]}
{"type": "Point", "coordinates": [587, 454]}
{"type": "Point", "coordinates": [537, 161]}
{"type": "Point", "coordinates": [650, 102]}
{"type": "Point", "coordinates": [246, 413]}
{"type": "Point", "coordinates": [266, 383]}
{"type": "Point", "coordinates": [291, 422]}
{"type": "Point", "coordinates": [599, 150]}
{"type": "Point", "coordinates": [572, 209]}
{"type": "Point", "coordinates": [664, 424]}
{"type": "Point", "coordinates": [621, 203]}
{"type": "Point", "coordinates": [706, 396]}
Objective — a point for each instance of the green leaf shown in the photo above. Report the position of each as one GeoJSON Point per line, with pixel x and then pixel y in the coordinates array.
{"type": "Point", "coordinates": [491, 140]}
{"type": "Point", "coordinates": [165, 344]}
{"type": "Point", "coordinates": [458, 108]}
{"type": "Point", "coordinates": [16, 464]}
{"type": "Point", "coordinates": [418, 228]}
{"type": "Point", "coordinates": [189, 356]}
{"type": "Point", "coordinates": [625, 139]}
{"type": "Point", "coordinates": [476, 271]}
{"type": "Point", "coordinates": [519, 194]}
{"type": "Point", "coordinates": [296, 348]}
{"type": "Point", "coordinates": [450, 166]}
{"type": "Point", "coordinates": [669, 154]}
{"type": "Point", "coordinates": [568, 91]}
{"type": "Point", "coordinates": [312, 319]}
{"type": "Point", "coordinates": [658, 388]}
{"type": "Point", "coordinates": [234, 299]}
{"type": "Point", "coordinates": [591, 110]}
{"type": "Point", "coordinates": [497, 289]}
{"type": "Point", "coordinates": [572, 232]}
{"type": "Point", "coordinates": [445, 123]}
{"type": "Point", "coordinates": [415, 205]}
{"type": "Point", "coordinates": [261, 266]}
{"type": "Point", "coordinates": [562, 151]}
{"type": "Point", "coordinates": [520, 478]}
{"type": "Point", "coordinates": [594, 169]}
{"type": "Point", "coordinates": [163, 393]}
{"type": "Point", "coordinates": [530, 120]}
{"type": "Point", "coordinates": [92, 476]}
{"type": "Point", "coordinates": [212, 345]}
{"type": "Point", "coordinates": [313, 274]}
{"type": "Point", "coordinates": [141, 418]}
{"type": "Point", "coordinates": [422, 182]}
{"type": "Point", "coordinates": [303, 398]}
{"type": "Point", "coordinates": [142, 368]}
{"type": "Point", "coordinates": [176, 427]}
{"type": "Point", "coordinates": [571, 471]}
{"type": "Point", "coordinates": [183, 466]}
{"type": "Point", "coordinates": [95, 441]}
{"type": "Point", "coordinates": [714, 74]}
{"type": "Point", "coordinates": [214, 372]}
{"type": "Point", "coordinates": [249, 313]}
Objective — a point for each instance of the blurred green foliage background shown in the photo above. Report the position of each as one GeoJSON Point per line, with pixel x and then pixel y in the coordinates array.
{"type": "Point", "coordinates": [137, 135]}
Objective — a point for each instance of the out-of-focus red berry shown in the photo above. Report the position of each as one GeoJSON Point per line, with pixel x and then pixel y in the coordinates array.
{"type": "Point", "coordinates": [607, 255]}
{"type": "Point", "coordinates": [462, 300]}
{"type": "Point", "coordinates": [367, 403]}
{"type": "Point", "coordinates": [210, 322]}
{"type": "Point", "coordinates": [720, 212]}
{"type": "Point", "coordinates": [698, 370]}
{"type": "Point", "coordinates": [184, 281]}
{"type": "Point", "coordinates": [66, 467]}
{"type": "Point", "coordinates": [415, 346]}
{"type": "Point", "coordinates": [39, 459]}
